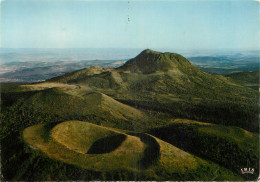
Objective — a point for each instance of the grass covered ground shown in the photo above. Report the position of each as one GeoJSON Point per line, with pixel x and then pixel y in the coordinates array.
{"type": "Point", "coordinates": [130, 108]}
{"type": "Point", "coordinates": [231, 147]}
{"type": "Point", "coordinates": [71, 141]}
{"type": "Point", "coordinates": [248, 78]}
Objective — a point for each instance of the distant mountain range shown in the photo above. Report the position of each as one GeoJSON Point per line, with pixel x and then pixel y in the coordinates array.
{"type": "Point", "coordinates": [39, 65]}
{"type": "Point", "coordinates": [41, 71]}
{"type": "Point", "coordinates": [226, 64]}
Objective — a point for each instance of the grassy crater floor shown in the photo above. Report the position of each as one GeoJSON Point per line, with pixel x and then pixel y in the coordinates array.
{"type": "Point", "coordinates": [99, 148]}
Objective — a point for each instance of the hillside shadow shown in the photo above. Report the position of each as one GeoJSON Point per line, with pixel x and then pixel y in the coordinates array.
{"type": "Point", "coordinates": [47, 130]}
{"type": "Point", "coordinates": [152, 152]}
{"type": "Point", "coordinates": [106, 145]}
{"type": "Point", "coordinates": [10, 98]}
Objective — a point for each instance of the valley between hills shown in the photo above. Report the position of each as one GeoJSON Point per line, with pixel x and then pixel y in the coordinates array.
{"type": "Point", "coordinates": [157, 117]}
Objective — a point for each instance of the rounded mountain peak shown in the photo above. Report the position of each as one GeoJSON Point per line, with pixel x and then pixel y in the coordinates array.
{"type": "Point", "coordinates": [149, 61]}
{"type": "Point", "coordinates": [149, 51]}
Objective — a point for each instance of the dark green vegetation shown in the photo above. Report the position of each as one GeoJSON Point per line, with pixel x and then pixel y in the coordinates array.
{"type": "Point", "coordinates": [144, 95]}
{"type": "Point", "coordinates": [139, 153]}
{"type": "Point", "coordinates": [249, 79]}
{"type": "Point", "coordinates": [228, 64]}
{"type": "Point", "coordinates": [9, 85]}
{"type": "Point", "coordinates": [213, 142]}
{"type": "Point", "coordinates": [162, 81]}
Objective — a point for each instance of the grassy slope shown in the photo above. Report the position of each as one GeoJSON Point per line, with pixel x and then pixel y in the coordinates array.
{"type": "Point", "coordinates": [96, 107]}
{"type": "Point", "coordinates": [231, 147]}
{"type": "Point", "coordinates": [9, 85]}
{"type": "Point", "coordinates": [206, 97]}
{"type": "Point", "coordinates": [161, 81]}
{"type": "Point", "coordinates": [70, 146]}
{"type": "Point", "coordinates": [126, 156]}
{"type": "Point", "coordinates": [248, 79]}
{"type": "Point", "coordinates": [81, 74]}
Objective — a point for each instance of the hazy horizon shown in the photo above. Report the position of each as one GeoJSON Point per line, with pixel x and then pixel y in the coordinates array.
{"type": "Point", "coordinates": [84, 54]}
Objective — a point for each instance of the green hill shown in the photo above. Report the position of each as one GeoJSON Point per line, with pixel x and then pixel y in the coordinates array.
{"type": "Point", "coordinates": [81, 74]}
{"type": "Point", "coordinates": [248, 78]}
{"type": "Point", "coordinates": [80, 144]}
{"type": "Point", "coordinates": [150, 61]}
{"type": "Point", "coordinates": [144, 95]}
{"type": "Point", "coordinates": [221, 144]}
{"type": "Point", "coordinates": [161, 81]}
{"type": "Point", "coordinates": [92, 106]}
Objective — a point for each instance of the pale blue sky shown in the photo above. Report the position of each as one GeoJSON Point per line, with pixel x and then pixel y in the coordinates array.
{"type": "Point", "coordinates": [183, 25]}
